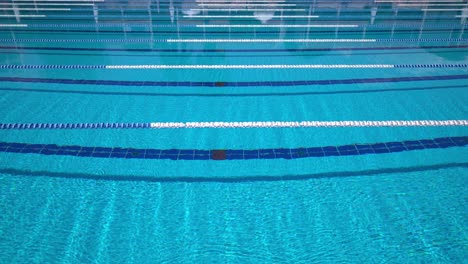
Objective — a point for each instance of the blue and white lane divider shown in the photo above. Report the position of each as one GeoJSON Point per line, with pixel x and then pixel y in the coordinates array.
{"type": "Point", "coordinates": [259, 124]}
{"type": "Point", "coordinates": [278, 26]}
{"type": "Point", "coordinates": [149, 25]}
{"type": "Point", "coordinates": [312, 40]}
{"type": "Point", "coordinates": [144, 40]}
{"type": "Point", "coordinates": [233, 66]}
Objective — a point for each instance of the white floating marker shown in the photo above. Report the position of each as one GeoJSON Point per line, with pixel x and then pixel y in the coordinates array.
{"type": "Point", "coordinates": [277, 26]}
{"type": "Point", "coordinates": [36, 9]}
{"type": "Point", "coordinates": [266, 40]}
{"type": "Point", "coordinates": [245, 5]}
{"type": "Point", "coordinates": [253, 66]}
{"type": "Point", "coordinates": [13, 25]}
{"type": "Point", "coordinates": [22, 15]}
{"type": "Point", "coordinates": [249, 10]}
{"type": "Point", "coordinates": [246, 16]}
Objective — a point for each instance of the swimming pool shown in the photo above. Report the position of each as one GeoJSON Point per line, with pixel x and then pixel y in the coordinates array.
{"type": "Point", "coordinates": [233, 131]}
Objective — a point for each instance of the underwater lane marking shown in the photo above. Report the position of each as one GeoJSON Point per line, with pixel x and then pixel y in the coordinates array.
{"type": "Point", "coordinates": [172, 84]}
{"type": "Point", "coordinates": [236, 50]}
{"type": "Point", "coordinates": [235, 154]}
{"type": "Point", "coordinates": [225, 125]}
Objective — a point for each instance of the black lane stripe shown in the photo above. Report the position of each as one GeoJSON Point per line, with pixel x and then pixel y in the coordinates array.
{"type": "Point", "coordinates": [235, 154]}
{"type": "Point", "coordinates": [256, 31]}
{"type": "Point", "coordinates": [342, 2]}
{"type": "Point", "coordinates": [227, 180]}
{"type": "Point", "coordinates": [275, 19]}
{"type": "Point", "coordinates": [228, 55]}
{"type": "Point", "coordinates": [234, 50]}
{"type": "Point", "coordinates": [360, 91]}
{"type": "Point", "coordinates": [232, 84]}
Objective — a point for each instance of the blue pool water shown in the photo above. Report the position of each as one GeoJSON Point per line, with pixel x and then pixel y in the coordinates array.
{"type": "Point", "coordinates": [87, 177]}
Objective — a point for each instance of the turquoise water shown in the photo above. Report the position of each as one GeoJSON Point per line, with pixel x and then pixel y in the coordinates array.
{"type": "Point", "coordinates": [394, 207]}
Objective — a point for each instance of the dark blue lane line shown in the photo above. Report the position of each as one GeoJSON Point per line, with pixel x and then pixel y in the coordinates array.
{"type": "Point", "coordinates": [219, 84]}
{"type": "Point", "coordinates": [166, 17]}
{"type": "Point", "coordinates": [318, 10]}
{"type": "Point", "coordinates": [120, 24]}
{"type": "Point", "coordinates": [236, 50]}
{"type": "Point", "coordinates": [38, 90]}
{"type": "Point", "coordinates": [153, 19]}
{"type": "Point", "coordinates": [230, 55]}
{"type": "Point", "coordinates": [192, 3]}
{"type": "Point", "coordinates": [302, 4]}
{"type": "Point", "coordinates": [164, 10]}
{"type": "Point", "coordinates": [233, 179]}
{"type": "Point", "coordinates": [307, 4]}
{"type": "Point", "coordinates": [235, 154]}
{"type": "Point", "coordinates": [258, 31]}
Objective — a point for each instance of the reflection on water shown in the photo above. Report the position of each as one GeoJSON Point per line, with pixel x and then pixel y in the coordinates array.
{"type": "Point", "coordinates": [262, 11]}
{"type": "Point", "coordinates": [251, 16]}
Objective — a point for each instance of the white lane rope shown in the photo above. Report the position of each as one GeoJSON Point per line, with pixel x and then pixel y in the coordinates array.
{"type": "Point", "coordinates": [249, 9]}
{"type": "Point", "coordinates": [141, 40]}
{"type": "Point", "coordinates": [278, 26]}
{"type": "Point", "coordinates": [245, 5]}
{"type": "Point", "coordinates": [22, 15]}
{"type": "Point", "coordinates": [229, 66]}
{"type": "Point", "coordinates": [246, 16]}
{"type": "Point", "coordinates": [260, 66]}
{"type": "Point", "coordinates": [215, 40]}
{"type": "Point", "coordinates": [13, 25]}
{"type": "Point", "coordinates": [36, 9]}
{"type": "Point", "coordinates": [232, 66]}
{"type": "Point", "coordinates": [49, 4]}
{"type": "Point", "coordinates": [34, 1]}
{"type": "Point", "coordinates": [282, 124]}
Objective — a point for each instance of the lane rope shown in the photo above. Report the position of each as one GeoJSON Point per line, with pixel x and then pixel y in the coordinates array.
{"type": "Point", "coordinates": [258, 124]}
{"type": "Point", "coordinates": [142, 40]}
{"type": "Point", "coordinates": [232, 66]}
